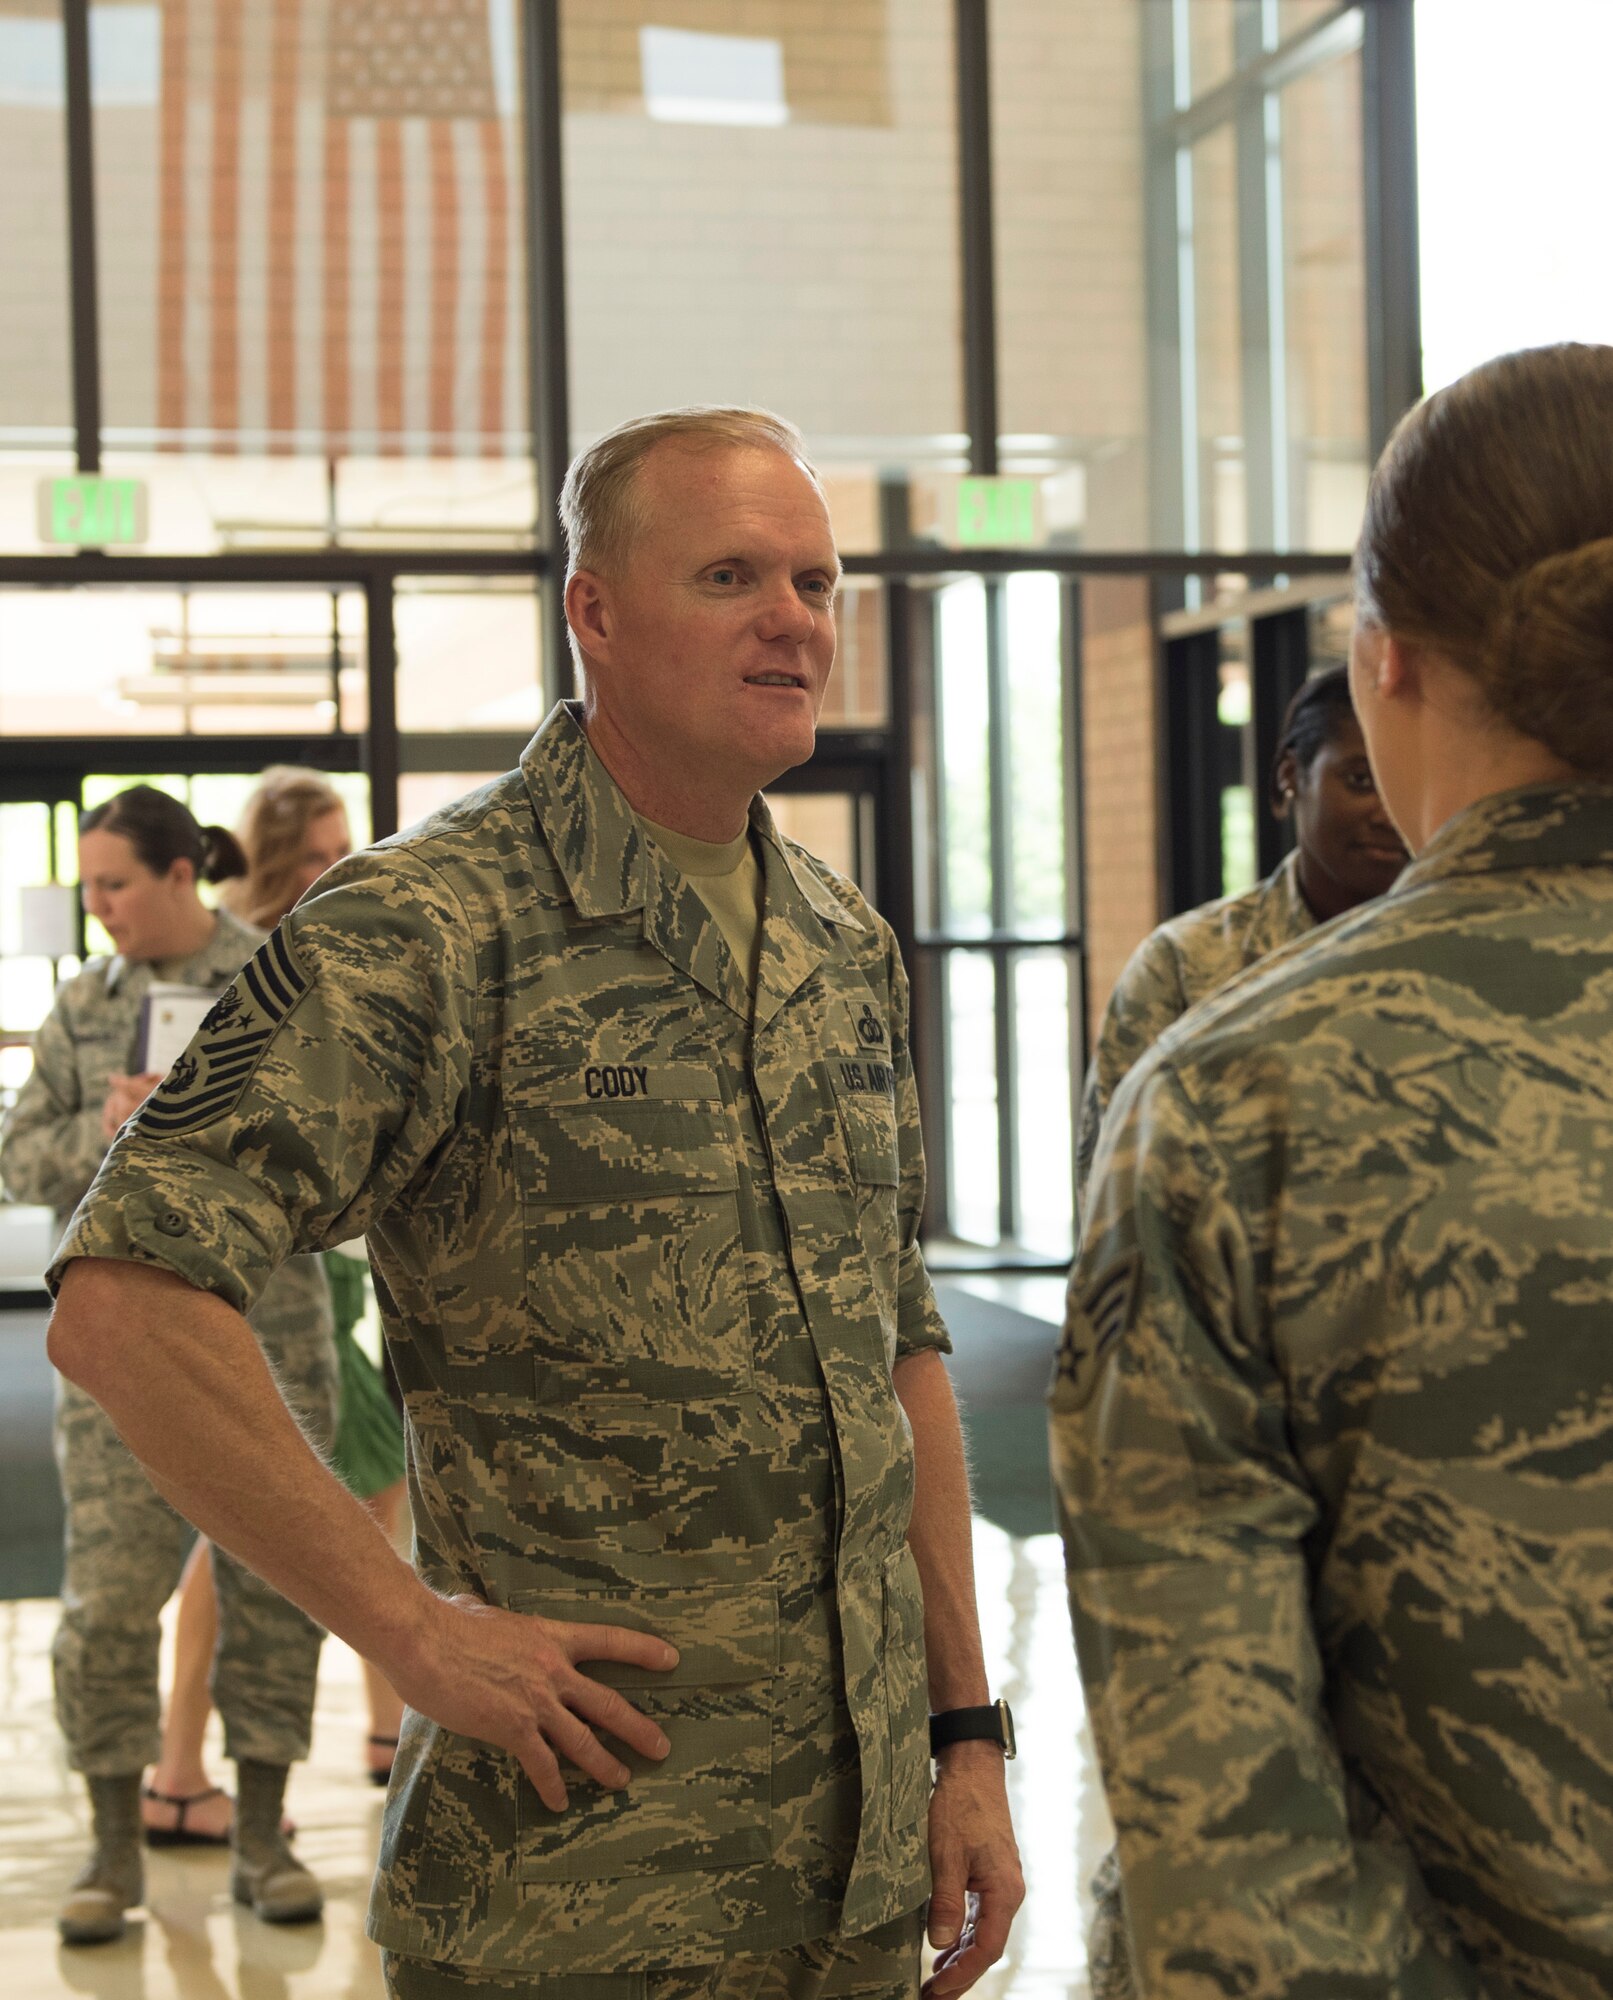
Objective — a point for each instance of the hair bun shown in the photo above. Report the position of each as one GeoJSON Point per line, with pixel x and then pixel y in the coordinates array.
{"type": "Point", "coordinates": [223, 856]}
{"type": "Point", "coordinates": [1551, 664]}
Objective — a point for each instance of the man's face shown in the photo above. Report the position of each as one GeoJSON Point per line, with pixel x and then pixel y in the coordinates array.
{"type": "Point", "coordinates": [720, 616]}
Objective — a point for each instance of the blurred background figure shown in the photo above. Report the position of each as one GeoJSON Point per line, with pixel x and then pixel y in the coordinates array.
{"type": "Point", "coordinates": [293, 827]}
{"type": "Point", "coordinates": [141, 858]}
{"type": "Point", "coordinates": [1347, 851]}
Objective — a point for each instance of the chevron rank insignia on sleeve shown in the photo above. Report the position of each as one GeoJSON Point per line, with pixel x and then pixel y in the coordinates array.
{"type": "Point", "coordinates": [210, 1076]}
{"type": "Point", "coordinates": [1096, 1321]}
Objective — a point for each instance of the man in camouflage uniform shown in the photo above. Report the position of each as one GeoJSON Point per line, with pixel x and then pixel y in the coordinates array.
{"type": "Point", "coordinates": [643, 1205]}
{"type": "Point", "coordinates": [125, 1546]}
{"type": "Point", "coordinates": [1331, 1428]}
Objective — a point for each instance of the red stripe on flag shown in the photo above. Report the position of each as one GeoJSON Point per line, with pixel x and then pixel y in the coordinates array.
{"type": "Point", "coordinates": [338, 409]}
{"type": "Point", "coordinates": [495, 292]}
{"type": "Point", "coordinates": [281, 332]}
{"type": "Point", "coordinates": [389, 228]}
{"type": "Point", "coordinates": [445, 281]}
{"type": "Point", "coordinates": [225, 317]}
{"type": "Point", "coordinates": [171, 233]}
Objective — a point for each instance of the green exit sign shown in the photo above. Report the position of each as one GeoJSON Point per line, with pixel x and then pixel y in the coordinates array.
{"type": "Point", "coordinates": [91, 512]}
{"type": "Point", "coordinates": [996, 513]}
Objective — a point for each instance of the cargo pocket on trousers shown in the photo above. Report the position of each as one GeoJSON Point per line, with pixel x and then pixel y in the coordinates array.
{"type": "Point", "coordinates": [907, 1695]}
{"type": "Point", "coordinates": [707, 1804]}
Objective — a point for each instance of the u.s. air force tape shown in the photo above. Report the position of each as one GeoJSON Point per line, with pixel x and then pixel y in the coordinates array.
{"type": "Point", "coordinates": [210, 1076]}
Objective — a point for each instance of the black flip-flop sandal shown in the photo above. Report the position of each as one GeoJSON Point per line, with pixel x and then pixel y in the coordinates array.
{"type": "Point", "coordinates": [180, 1835]}
{"type": "Point", "coordinates": [383, 1743]}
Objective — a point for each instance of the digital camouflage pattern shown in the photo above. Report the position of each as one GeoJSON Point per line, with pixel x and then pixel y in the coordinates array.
{"type": "Point", "coordinates": [1332, 1428]}
{"type": "Point", "coordinates": [880, 1965]}
{"type": "Point", "coordinates": [1182, 962]}
{"type": "Point", "coordinates": [644, 1270]}
{"type": "Point", "coordinates": [125, 1546]}
{"type": "Point", "coordinates": [125, 1553]}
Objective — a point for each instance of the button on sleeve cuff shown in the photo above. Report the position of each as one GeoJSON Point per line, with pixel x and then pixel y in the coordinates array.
{"type": "Point", "coordinates": [207, 1240]}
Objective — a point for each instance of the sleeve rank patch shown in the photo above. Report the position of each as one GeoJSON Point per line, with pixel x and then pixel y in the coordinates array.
{"type": "Point", "coordinates": [1100, 1317]}
{"type": "Point", "coordinates": [210, 1076]}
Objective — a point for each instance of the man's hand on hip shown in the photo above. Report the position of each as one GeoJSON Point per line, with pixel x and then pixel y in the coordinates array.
{"type": "Point", "coordinates": [512, 1681]}
{"type": "Point", "coordinates": [972, 1856]}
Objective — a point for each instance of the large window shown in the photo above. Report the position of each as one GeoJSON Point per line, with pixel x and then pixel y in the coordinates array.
{"type": "Point", "coordinates": [1511, 242]}
{"type": "Point", "coordinates": [1259, 273]}
{"type": "Point", "coordinates": [36, 411]}
{"type": "Point", "coordinates": [761, 207]}
{"type": "Point", "coordinates": [181, 662]}
{"type": "Point", "coordinates": [998, 918]}
{"type": "Point", "coordinates": [1069, 297]}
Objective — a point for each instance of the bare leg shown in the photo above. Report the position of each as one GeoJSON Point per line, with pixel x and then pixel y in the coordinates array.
{"type": "Point", "coordinates": [386, 1710]}
{"type": "Point", "coordinates": [179, 1771]}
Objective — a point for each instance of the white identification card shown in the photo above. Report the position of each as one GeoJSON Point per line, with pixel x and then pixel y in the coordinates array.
{"type": "Point", "coordinates": [169, 1016]}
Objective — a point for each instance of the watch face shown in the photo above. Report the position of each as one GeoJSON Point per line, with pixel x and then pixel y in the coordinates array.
{"type": "Point", "coordinates": [1005, 1715]}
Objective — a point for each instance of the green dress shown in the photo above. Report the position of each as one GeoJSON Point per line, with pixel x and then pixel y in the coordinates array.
{"type": "Point", "coordinates": [368, 1452]}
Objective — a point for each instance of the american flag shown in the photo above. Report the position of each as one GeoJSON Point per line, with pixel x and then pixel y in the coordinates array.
{"type": "Point", "coordinates": [341, 230]}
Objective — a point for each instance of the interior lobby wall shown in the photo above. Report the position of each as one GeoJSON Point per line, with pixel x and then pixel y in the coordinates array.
{"type": "Point", "coordinates": [1118, 776]}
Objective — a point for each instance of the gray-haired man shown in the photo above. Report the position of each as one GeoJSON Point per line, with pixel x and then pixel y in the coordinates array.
{"type": "Point", "coordinates": [616, 1081]}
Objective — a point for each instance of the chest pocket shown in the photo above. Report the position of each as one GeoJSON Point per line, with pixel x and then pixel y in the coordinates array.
{"type": "Point", "coordinates": [865, 1097]}
{"type": "Point", "coordinates": [635, 1270]}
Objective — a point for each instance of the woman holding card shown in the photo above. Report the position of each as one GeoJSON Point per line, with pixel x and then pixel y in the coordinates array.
{"type": "Point", "coordinates": [141, 858]}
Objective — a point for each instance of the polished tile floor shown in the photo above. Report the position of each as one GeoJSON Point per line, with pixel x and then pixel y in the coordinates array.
{"type": "Point", "coordinates": [192, 1943]}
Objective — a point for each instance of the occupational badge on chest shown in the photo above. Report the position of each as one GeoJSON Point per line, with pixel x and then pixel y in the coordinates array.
{"type": "Point", "coordinates": [867, 1026]}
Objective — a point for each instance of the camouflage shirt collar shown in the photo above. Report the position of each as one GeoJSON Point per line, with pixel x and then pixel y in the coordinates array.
{"type": "Point", "coordinates": [595, 839]}
{"type": "Point", "coordinates": [1536, 826]}
{"type": "Point", "coordinates": [223, 955]}
{"type": "Point", "coordinates": [1282, 913]}
{"type": "Point", "coordinates": [808, 882]}
{"type": "Point", "coordinates": [588, 825]}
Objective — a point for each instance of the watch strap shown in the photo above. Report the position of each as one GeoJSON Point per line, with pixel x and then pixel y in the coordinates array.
{"type": "Point", "coordinates": [992, 1724]}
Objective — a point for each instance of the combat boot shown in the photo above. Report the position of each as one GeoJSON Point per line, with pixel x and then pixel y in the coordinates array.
{"type": "Point", "coordinates": [113, 1879]}
{"type": "Point", "coordinates": [266, 1875]}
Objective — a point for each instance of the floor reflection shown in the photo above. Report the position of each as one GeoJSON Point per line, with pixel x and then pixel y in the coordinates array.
{"type": "Point", "coordinates": [194, 1943]}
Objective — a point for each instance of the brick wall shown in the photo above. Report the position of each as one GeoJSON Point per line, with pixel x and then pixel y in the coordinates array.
{"type": "Point", "coordinates": [1118, 775]}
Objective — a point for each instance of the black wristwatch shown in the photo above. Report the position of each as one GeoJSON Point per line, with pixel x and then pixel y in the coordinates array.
{"type": "Point", "coordinates": [974, 1725]}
